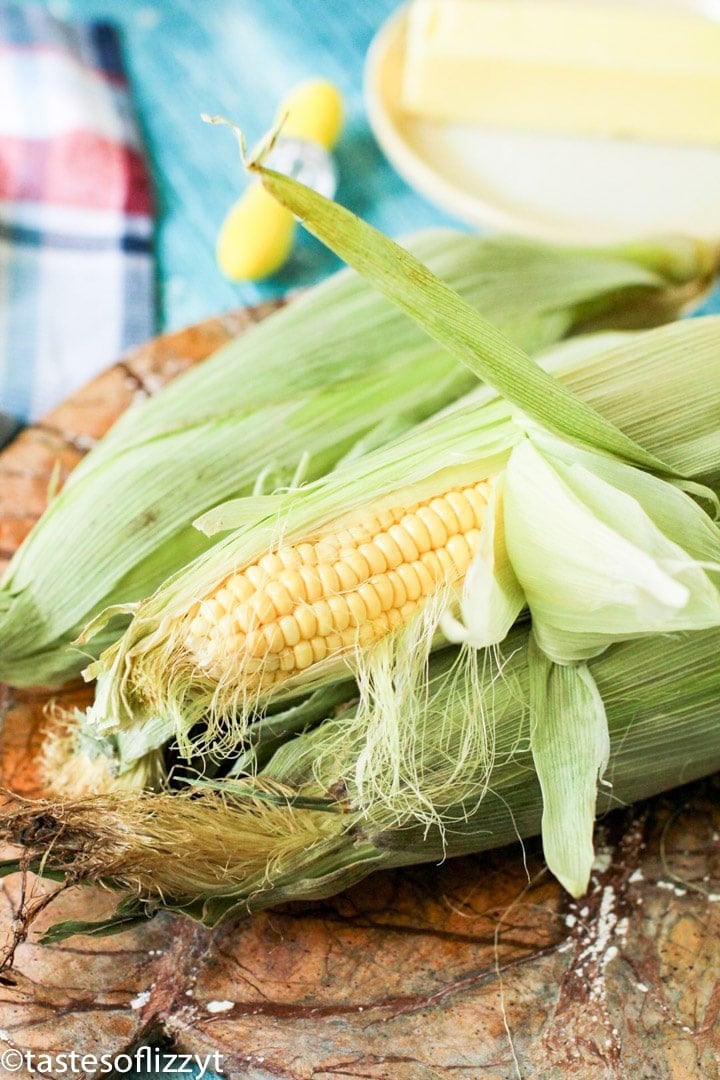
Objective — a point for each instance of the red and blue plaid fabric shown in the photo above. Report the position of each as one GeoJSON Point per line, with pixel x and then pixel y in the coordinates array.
{"type": "Point", "coordinates": [76, 266]}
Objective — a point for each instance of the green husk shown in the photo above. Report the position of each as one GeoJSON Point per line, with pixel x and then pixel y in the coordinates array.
{"type": "Point", "coordinates": [149, 680]}
{"type": "Point", "coordinates": [338, 372]}
{"type": "Point", "coordinates": [448, 319]}
{"type": "Point", "coordinates": [300, 830]}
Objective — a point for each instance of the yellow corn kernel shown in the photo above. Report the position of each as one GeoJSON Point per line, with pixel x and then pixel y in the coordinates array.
{"type": "Point", "coordinates": [280, 598]}
{"type": "Point", "coordinates": [306, 554]}
{"type": "Point", "coordinates": [399, 590]}
{"type": "Point", "coordinates": [311, 580]}
{"type": "Point", "coordinates": [290, 579]}
{"type": "Point", "coordinates": [410, 580]}
{"type": "Point", "coordinates": [444, 510]}
{"type": "Point", "coordinates": [305, 617]}
{"type": "Point", "coordinates": [324, 617]}
{"type": "Point", "coordinates": [329, 580]}
{"type": "Point", "coordinates": [212, 610]}
{"type": "Point", "coordinates": [374, 558]}
{"type": "Point", "coordinates": [245, 618]}
{"type": "Point", "coordinates": [367, 635]}
{"type": "Point", "coordinates": [346, 575]}
{"type": "Point", "coordinates": [290, 630]}
{"type": "Point", "coordinates": [357, 609]}
{"type": "Point", "coordinates": [418, 532]}
{"type": "Point", "coordinates": [463, 508]}
{"type": "Point", "coordinates": [303, 655]}
{"type": "Point", "coordinates": [326, 552]}
{"type": "Point", "coordinates": [458, 551]}
{"type": "Point", "coordinates": [371, 600]}
{"type": "Point", "coordinates": [263, 608]}
{"type": "Point", "coordinates": [427, 582]}
{"type": "Point", "coordinates": [433, 565]}
{"type": "Point", "coordinates": [256, 645]}
{"type": "Point", "coordinates": [340, 612]}
{"type": "Point", "coordinates": [273, 638]}
{"type": "Point", "coordinates": [383, 587]}
{"type": "Point", "coordinates": [272, 563]}
{"type": "Point", "coordinates": [319, 648]}
{"type": "Point", "coordinates": [358, 564]}
{"type": "Point", "coordinates": [349, 637]}
{"type": "Point", "coordinates": [287, 661]}
{"type": "Point", "coordinates": [404, 541]}
{"type": "Point", "coordinates": [435, 526]}
{"type": "Point", "coordinates": [391, 552]}
{"type": "Point", "coordinates": [257, 577]}
{"type": "Point", "coordinates": [446, 563]}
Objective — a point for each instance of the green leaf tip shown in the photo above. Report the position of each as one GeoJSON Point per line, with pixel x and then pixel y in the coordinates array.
{"type": "Point", "coordinates": [454, 323]}
{"type": "Point", "coordinates": [570, 746]}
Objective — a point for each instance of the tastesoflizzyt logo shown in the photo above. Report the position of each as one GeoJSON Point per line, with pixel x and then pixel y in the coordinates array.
{"type": "Point", "coordinates": [145, 1059]}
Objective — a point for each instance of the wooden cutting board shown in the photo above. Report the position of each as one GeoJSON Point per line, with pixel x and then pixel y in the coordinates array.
{"type": "Point", "coordinates": [480, 967]}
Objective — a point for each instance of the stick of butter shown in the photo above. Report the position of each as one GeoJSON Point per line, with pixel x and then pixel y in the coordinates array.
{"type": "Point", "coordinates": [587, 67]}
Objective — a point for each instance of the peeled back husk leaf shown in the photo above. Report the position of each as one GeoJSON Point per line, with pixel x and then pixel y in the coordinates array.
{"type": "Point", "coordinates": [602, 552]}
{"type": "Point", "coordinates": [570, 745]}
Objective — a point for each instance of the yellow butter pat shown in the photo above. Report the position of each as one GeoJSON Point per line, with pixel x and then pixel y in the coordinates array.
{"type": "Point", "coordinates": [637, 70]}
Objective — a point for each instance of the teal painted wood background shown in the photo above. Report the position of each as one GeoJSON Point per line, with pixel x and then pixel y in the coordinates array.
{"type": "Point", "coordinates": [238, 58]}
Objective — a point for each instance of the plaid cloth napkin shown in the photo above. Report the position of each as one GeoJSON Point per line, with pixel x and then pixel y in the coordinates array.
{"type": "Point", "coordinates": [76, 268]}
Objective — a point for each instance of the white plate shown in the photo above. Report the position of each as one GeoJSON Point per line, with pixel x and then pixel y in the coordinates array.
{"type": "Point", "coordinates": [552, 187]}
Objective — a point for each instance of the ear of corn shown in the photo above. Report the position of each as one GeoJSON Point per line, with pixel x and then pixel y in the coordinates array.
{"type": "Point", "coordinates": [642, 556]}
{"type": "Point", "coordinates": [338, 372]}
{"type": "Point", "coordinates": [301, 830]}
{"type": "Point", "coordinates": [632, 576]}
{"type": "Point", "coordinates": [290, 600]}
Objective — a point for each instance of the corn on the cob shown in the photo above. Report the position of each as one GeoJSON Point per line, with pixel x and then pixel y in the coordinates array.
{"type": "Point", "coordinates": [415, 763]}
{"type": "Point", "coordinates": [295, 606]}
{"type": "Point", "coordinates": [298, 830]}
{"type": "Point", "coordinates": [227, 634]}
{"type": "Point", "coordinates": [337, 372]}
{"type": "Point", "coordinates": [598, 550]}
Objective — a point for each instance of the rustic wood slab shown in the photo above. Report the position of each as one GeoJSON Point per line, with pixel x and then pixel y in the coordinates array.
{"type": "Point", "coordinates": [481, 967]}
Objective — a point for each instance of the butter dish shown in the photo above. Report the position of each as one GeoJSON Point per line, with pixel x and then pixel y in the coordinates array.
{"type": "Point", "coordinates": [584, 178]}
